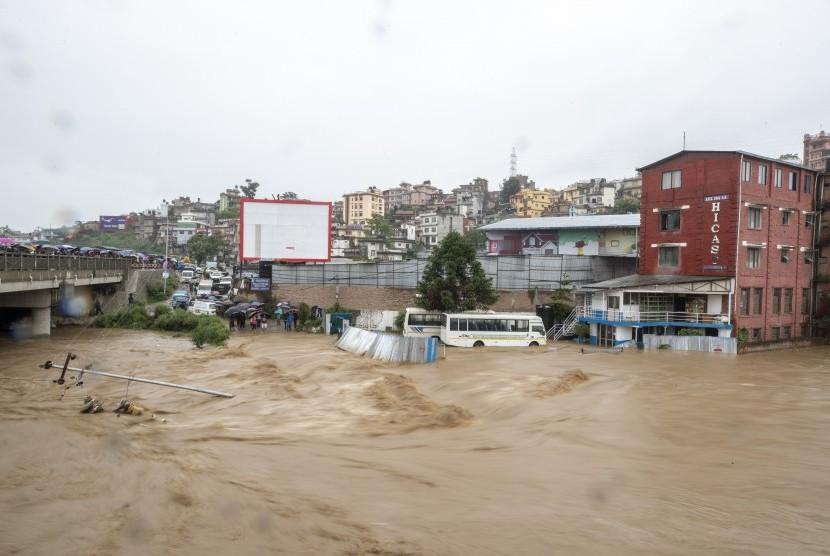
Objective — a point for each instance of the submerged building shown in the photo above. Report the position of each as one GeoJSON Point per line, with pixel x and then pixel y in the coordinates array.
{"type": "Point", "coordinates": [726, 249]}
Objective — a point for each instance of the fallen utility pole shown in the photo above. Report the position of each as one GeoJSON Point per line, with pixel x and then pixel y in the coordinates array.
{"type": "Point", "coordinates": [65, 367]}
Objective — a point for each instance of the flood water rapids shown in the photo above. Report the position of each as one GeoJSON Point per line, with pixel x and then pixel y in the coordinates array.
{"type": "Point", "coordinates": [489, 451]}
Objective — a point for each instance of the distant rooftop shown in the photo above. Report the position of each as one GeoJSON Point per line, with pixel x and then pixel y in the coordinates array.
{"type": "Point", "coordinates": [561, 222]}
{"type": "Point", "coordinates": [745, 153]}
{"type": "Point", "coordinates": [642, 280]}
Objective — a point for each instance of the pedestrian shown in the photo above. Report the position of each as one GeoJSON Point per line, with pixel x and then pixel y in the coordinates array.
{"type": "Point", "coordinates": [253, 322]}
{"type": "Point", "coordinates": [289, 321]}
{"type": "Point", "coordinates": [264, 322]}
{"type": "Point", "coordinates": [130, 298]}
{"type": "Point", "coordinates": [97, 308]}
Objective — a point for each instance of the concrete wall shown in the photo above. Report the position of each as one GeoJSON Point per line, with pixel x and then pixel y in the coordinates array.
{"type": "Point", "coordinates": [369, 298]}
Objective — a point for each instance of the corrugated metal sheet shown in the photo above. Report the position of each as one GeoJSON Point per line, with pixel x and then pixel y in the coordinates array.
{"type": "Point", "coordinates": [388, 347]}
{"type": "Point", "coordinates": [563, 222]}
{"type": "Point", "coordinates": [692, 343]}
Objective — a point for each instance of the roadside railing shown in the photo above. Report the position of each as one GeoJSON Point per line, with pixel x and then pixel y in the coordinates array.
{"type": "Point", "coordinates": [47, 262]}
{"type": "Point", "coordinates": [619, 315]}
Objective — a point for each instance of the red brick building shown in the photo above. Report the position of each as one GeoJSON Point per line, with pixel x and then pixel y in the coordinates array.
{"type": "Point", "coordinates": [739, 215]}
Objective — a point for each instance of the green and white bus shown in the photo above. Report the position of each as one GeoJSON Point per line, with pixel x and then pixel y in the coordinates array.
{"type": "Point", "coordinates": [420, 323]}
{"type": "Point", "coordinates": [492, 329]}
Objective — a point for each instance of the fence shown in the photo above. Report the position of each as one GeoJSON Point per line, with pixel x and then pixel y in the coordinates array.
{"type": "Point", "coordinates": [691, 343]}
{"type": "Point", "coordinates": [506, 272]}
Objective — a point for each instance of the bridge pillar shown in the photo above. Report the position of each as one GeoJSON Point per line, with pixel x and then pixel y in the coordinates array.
{"type": "Point", "coordinates": [41, 321]}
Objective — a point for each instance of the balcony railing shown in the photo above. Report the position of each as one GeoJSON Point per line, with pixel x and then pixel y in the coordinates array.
{"type": "Point", "coordinates": [619, 315]}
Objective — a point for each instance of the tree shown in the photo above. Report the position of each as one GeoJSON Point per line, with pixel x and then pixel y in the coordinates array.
{"type": "Point", "coordinates": [625, 205]}
{"type": "Point", "coordinates": [454, 279]}
{"type": "Point", "coordinates": [477, 238]}
{"type": "Point", "coordinates": [227, 213]}
{"type": "Point", "coordinates": [379, 226]}
{"type": "Point", "coordinates": [249, 189]}
{"type": "Point", "coordinates": [789, 156]}
{"type": "Point", "coordinates": [509, 187]}
{"type": "Point", "coordinates": [288, 196]}
{"type": "Point", "coordinates": [202, 247]}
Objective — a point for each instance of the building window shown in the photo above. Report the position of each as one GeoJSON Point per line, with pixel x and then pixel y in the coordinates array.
{"type": "Point", "coordinates": [786, 253]}
{"type": "Point", "coordinates": [788, 301]}
{"type": "Point", "coordinates": [754, 218]}
{"type": "Point", "coordinates": [776, 301]}
{"type": "Point", "coordinates": [613, 302]}
{"type": "Point", "coordinates": [792, 185]}
{"type": "Point", "coordinates": [776, 333]}
{"type": "Point", "coordinates": [785, 217]}
{"type": "Point", "coordinates": [668, 256]}
{"type": "Point", "coordinates": [631, 298]}
{"type": "Point", "coordinates": [746, 170]}
{"type": "Point", "coordinates": [808, 183]}
{"type": "Point", "coordinates": [777, 178]}
{"type": "Point", "coordinates": [671, 180]}
{"type": "Point", "coordinates": [805, 301]}
{"type": "Point", "coordinates": [753, 257]}
{"type": "Point", "coordinates": [762, 174]}
{"type": "Point", "coordinates": [756, 334]}
{"type": "Point", "coordinates": [786, 332]}
{"type": "Point", "coordinates": [744, 301]}
{"type": "Point", "coordinates": [669, 220]}
{"type": "Point", "coordinates": [757, 301]}
{"type": "Point", "coordinates": [805, 330]}
{"type": "Point", "coordinates": [808, 220]}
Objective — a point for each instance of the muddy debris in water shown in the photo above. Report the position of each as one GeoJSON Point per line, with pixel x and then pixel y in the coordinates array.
{"type": "Point", "coordinates": [405, 409]}
{"type": "Point", "coordinates": [559, 385]}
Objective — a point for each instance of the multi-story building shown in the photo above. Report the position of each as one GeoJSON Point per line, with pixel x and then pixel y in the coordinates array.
{"type": "Point", "coordinates": [400, 196]}
{"type": "Point", "coordinates": [630, 187]}
{"type": "Point", "coordinates": [471, 199]}
{"type": "Point", "coordinates": [423, 194]}
{"type": "Point", "coordinates": [433, 227]}
{"type": "Point", "coordinates": [227, 229]}
{"type": "Point", "coordinates": [593, 196]}
{"type": "Point", "coordinates": [337, 212]}
{"type": "Point", "coordinates": [530, 203]}
{"type": "Point", "coordinates": [229, 199]}
{"type": "Point", "coordinates": [817, 150]}
{"type": "Point", "coordinates": [726, 248]}
{"type": "Point", "coordinates": [147, 225]}
{"type": "Point", "coordinates": [360, 206]}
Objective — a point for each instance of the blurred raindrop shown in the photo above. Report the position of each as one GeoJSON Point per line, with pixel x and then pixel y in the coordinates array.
{"type": "Point", "coordinates": [53, 163]}
{"type": "Point", "coordinates": [63, 119]}
{"type": "Point", "coordinates": [21, 329]}
{"type": "Point", "coordinates": [75, 307]}
{"type": "Point", "coordinates": [10, 40]}
{"type": "Point", "coordinates": [20, 70]}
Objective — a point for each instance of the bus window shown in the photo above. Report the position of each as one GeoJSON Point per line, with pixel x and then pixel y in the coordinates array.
{"type": "Point", "coordinates": [453, 324]}
{"type": "Point", "coordinates": [522, 326]}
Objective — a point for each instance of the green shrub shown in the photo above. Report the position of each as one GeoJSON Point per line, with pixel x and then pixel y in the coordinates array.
{"type": "Point", "coordinates": [155, 289]}
{"type": "Point", "coordinates": [582, 330]}
{"type": "Point", "coordinates": [133, 316]}
{"type": "Point", "coordinates": [311, 324]}
{"type": "Point", "coordinates": [690, 332]}
{"type": "Point", "coordinates": [210, 330]}
{"type": "Point", "coordinates": [304, 311]}
{"type": "Point", "coordinates": [176, 321]}
{"type": "Point", "coordinates": [399, 318]}
{"type": "Point", "coordinates": [161, 309]}
{"type": "Point", "coordinates": [743, 335]}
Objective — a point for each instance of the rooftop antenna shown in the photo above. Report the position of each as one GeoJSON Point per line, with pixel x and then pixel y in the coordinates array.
{"type": "Point", "coordinates": [513, 164]}
{"type": "Point", "coordinates": [684, 140]}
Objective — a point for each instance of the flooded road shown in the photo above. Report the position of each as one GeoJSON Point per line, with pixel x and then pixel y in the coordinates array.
{"type": "Point", "coordinates": [487, 452]}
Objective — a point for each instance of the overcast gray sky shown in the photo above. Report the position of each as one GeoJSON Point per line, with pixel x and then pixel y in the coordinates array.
{"type": "Point", "coordinates": [107, 107]}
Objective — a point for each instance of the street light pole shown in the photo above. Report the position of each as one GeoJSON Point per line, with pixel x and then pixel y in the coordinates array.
{"type": "Point", "coordinates": [166, 245]}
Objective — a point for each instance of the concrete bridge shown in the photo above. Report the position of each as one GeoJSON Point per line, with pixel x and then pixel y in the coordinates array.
{"type": "Point", "coordinates": [30, 285]}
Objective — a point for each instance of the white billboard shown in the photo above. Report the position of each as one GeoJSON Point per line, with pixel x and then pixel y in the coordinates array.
{"type": "Point", "coordinates": [290, 231]}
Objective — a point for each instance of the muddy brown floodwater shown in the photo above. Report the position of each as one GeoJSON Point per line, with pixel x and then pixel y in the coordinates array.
{"type": "Point", "coordinates": [529, 451]}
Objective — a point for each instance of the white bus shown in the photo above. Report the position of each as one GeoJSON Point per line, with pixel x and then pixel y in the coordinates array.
{"type": "Point", "coordinates": [420, 323]}
{"type": "Point", "coordinates": [492, 329]}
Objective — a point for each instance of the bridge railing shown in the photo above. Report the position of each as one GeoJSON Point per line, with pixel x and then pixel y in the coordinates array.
{"type": "Point", "coordinates": [41, 262]}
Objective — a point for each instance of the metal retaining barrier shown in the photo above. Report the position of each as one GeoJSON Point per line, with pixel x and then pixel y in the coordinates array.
{"type": "Point", "coordinates": [388, 347]}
